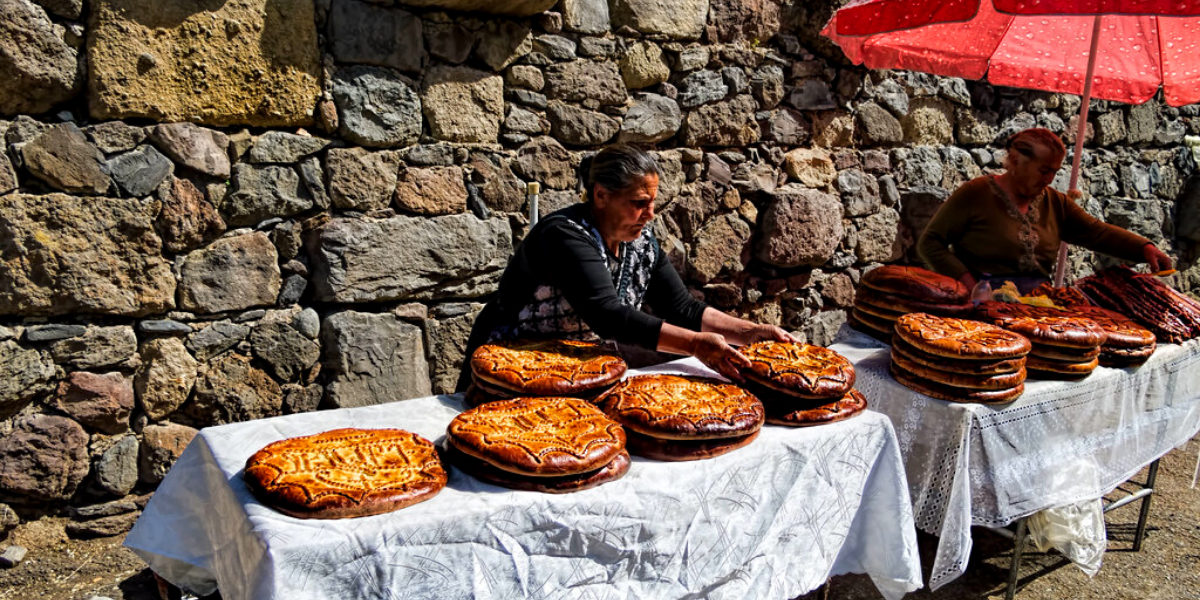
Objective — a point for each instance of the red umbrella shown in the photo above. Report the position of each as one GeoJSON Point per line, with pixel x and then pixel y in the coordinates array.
{"type": "Point", "coordinates": [1122, 50]}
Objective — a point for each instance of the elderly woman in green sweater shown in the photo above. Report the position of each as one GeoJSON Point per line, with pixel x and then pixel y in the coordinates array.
{"type": "Point", "coordinates": [1009, 226]}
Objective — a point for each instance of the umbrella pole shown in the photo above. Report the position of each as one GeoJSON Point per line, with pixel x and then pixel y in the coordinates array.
{"type": "Point", "coordinates": [1060, 266]}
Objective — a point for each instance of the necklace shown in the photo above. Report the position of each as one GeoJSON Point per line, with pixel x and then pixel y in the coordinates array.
{"type": "Point", "coordinates": [1027, 234]}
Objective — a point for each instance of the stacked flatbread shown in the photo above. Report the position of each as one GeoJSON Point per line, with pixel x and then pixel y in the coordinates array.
{"type": "Point", "coordinates": [802, 385]}
{"type": "Point", "coordinates": [678, 418]}
{"type": "Point", "coordinates": [345, 473]}
{"type": "Point", "coordinates": [958, 360]}
{"type": "Point", "coordinates": [1065, 346]}
{"type": "Point", "coordinates": [526, 368]}
{"type": "Point", "coordinates": [1128, 344]}
{"type": "Point", "coordinates": [553, 445]}
{"type": "Point", "coordinates": [887, 293]}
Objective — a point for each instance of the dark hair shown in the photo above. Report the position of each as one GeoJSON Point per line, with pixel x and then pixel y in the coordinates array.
{"type": "Point", "coordinates": [1022, 141]}
{"type": "Point", "coordinates": [619, 167]}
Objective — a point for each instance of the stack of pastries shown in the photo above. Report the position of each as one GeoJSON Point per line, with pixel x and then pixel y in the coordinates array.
{"type": "Point", "coordinates": [802, 385]}
{"type": "Point", "coordinates": [524, 368]}
{"type": "Point", "coordinates": [958, 360]}
{"type": "Point", "coordinates": [1064, 346]}
{"type": "Point", "coordinates": [679, 418]}
{"type": "Point", "coordinates": [887, 293]}
{"type": "Point", "coordinates": [552, 445]}
{"type": "Point", "coordinates": [1127, 345]}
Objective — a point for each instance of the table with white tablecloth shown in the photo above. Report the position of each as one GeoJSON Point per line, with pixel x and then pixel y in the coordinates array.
{"type": "Point", "coordinates": [1060, 442]}
{"type": "Point", "coordinates": [772, 520]}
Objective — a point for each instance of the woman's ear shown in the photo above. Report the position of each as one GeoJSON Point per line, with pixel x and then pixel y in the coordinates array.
{"type": "Point", "coordinates": [601, 197]}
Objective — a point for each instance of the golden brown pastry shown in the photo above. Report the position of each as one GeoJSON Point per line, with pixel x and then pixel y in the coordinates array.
{"type": "Point", "coordinates": [546, 367]}
{"type": "Point", "coordinates": [960, 338]}
{"type": "Point", "coordinates": [538, 437]}
{"type": "Point", "coordinates": [799, 370]}
{"type": "Point", "coordinates": [678, 407]}
{"type": "Point", "coordinates": [790, 415]}
{"type": "Point", "coordinates": [345, 473]}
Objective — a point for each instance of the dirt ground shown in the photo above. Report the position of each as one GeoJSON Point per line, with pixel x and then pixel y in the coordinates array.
{"type": "Point", "coordinates": [1168, 567]}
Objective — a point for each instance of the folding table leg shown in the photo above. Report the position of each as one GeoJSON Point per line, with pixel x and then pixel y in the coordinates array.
{"type": "Point", "coordinates": [1145, 513]}
{"type": "Point", "coordinates": [1014, 571]}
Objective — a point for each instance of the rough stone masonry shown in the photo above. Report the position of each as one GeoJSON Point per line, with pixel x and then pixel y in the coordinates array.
{"type": "Point", "coordinates": [212, 212]}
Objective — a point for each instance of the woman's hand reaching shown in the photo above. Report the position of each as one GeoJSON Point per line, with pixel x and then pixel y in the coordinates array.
{"type": "Point", "coordinates": [769, 333]}
{"type": "Point", "coordinates": [716, 354]}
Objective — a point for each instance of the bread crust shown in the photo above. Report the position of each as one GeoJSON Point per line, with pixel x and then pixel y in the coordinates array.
{"type": "Point", "coordinates": [547, 367]}
{"type": "Point", "coordinates": [999, 381]}
{"type": "Point", "coordinates": [678, 407]}
{"type": "Point", "coordinates": [960, 338]}
{"type": "Point", "coordinates": [800, 370]}
{"type": "Point", "coordinates": [952, 394]}
{"type": "Point", "coordinates": [789, 415]}
{"type": "Point", "coordinates": [964, 366]}
{"type": "Point", "coordinates": [345, 473]}
{"type": "Point", "coordinates": [538, 436]}
{"type": "Point", "coordinates": [487, 473]}
{"type": "Point", "coordinates": [685, 450]}
{"type": "Point", "coordinates": [900, 304]}
{"type": "Point", "coordinates": [1044, 325]}
{"type": "Point", "coordinates": [916, 283]}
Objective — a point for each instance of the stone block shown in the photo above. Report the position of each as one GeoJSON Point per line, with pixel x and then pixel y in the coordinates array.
{"type": "Point", "coordinates": [372, 359]}
{"type": "Point", "coordinates": [408, 258]}
{"type": "Point", "coordinates": [232, 273]}
{"type": "Point", "coordinates": [243, 62]}
{"type": "Point", "coordinates": [463, 104]}
{"type": "Point", "coordinates": [70, 255]}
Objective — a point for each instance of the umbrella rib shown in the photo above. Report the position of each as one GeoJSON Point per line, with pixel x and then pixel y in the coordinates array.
{"type": "Point", "coordinates": [1007, 27]}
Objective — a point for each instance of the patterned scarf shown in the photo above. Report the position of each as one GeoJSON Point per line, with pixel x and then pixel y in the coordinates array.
{"type": "Point", "coordinates": [549, 314]}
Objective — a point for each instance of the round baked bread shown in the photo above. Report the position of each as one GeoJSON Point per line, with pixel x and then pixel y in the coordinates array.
{"type": "Point", "coordinates": [800, 370]}
{"type": "Point", "coordinates": [883, 326]}
{"type": "Point", "coordinates": [789, 415]}
{"type": "Point", "coordinates": [1044, 325]}
{"type": "Point", "coordinates": [957, 365]}
{"type": "Point", "coordinates": [684, 450]}
{"type": "Point", "coordinates": [1064, 354]}
{"type": "Point", "coordinates": [1122, 331]}
{"type": "Point", "coordinates": [960, 338]}
{"type": "Point", "coordinates": [880, 313]}
{"type": "Point", "coordinates": [476, 396]}
{"type": "Point", "coordinates": [538, 437]}
{"type": "Point", "coordinates": [867, 296]}
{"type": "Point", "coordinates": [1127, 353]}
{"type": "Point", "coordinates": [879, 334]}
{"type": "Point", "coordinates": [564, 484]}
{"type": "Point", "coordinates": [1041, 366]}
{"type": "Point", "coordinates": [953, 394]}
{"type": "Point", "coordinates": [345, 473]}
{"type": "Point", "coordinates": [677, 407]}
{"type": "Point", "coordinates": [1062, 296]}
{"type": "Point", "coordinates": [1000, 381]}
{"type": "Point", "coordinates": [547, 367]}
{"type": "Point", "coordinates": [916, 283]}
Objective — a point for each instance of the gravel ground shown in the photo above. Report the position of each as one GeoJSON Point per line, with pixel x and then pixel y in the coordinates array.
{"type": "Point", "coordinates": [1168, 567]}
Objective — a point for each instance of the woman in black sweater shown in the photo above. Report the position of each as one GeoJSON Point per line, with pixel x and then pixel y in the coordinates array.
{"type": "Point", "coordinates": [585, 272]}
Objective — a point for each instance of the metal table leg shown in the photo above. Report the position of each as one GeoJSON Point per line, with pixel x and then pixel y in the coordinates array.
{"type": "Point", "coordinates": [1018, 549]}
{"type": "Point", "coordinates": [1145, 512]}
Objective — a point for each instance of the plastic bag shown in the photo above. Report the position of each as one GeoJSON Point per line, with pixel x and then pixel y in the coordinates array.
{"type": "Point", "coordinates": [1075, 530]}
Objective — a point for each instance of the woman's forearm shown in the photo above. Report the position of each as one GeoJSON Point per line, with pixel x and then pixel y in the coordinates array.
{"type": "Point", "coordinates": [736, 331]}
{"type": "Point", "coordinates": [676, 340]}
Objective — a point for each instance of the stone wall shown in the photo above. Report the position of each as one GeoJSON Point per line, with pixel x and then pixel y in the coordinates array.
{"type": "Point", "coordinates": [212, 212]}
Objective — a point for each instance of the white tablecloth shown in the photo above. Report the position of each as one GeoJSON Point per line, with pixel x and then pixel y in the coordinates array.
{"type": "Point", "coordinates": [772, 520]}
{"type": "Point", "coordinates": [1060, 442]}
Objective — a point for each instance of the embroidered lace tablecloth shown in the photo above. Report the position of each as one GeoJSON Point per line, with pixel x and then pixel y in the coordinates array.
{"type": "Point", "coordinates": [1060, 442]}
{"type": "Point", "coordinates": [772, 520]}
